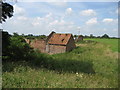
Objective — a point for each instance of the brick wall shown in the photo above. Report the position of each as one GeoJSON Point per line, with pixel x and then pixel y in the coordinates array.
{"type": "Point", "coordinates": [53, 49]}
{"type": "Point", "coordinates": [71, 44]}
{"type": "Point", "coordinates": [39, 44]}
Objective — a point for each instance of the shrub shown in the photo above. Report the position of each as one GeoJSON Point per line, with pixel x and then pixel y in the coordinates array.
{"type": "Point", "coordinates": [19, 48]}
{"type": "Point", "coordinates": [15, 48]}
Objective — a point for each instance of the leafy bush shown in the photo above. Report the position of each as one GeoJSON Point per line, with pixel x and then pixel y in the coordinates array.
{"type": "Point", "coordinates": [15, 48]}
{"type": "Point", "coordinates": [19, 48]}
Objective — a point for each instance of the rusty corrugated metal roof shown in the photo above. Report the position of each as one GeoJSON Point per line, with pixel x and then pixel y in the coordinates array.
{"type": "Point", "coordinates": [61, 39]}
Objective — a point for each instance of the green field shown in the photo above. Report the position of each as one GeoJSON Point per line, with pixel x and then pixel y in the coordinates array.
{"type": "Point", "coordinates": [90, 65]}
{"type": "Point", "coordinates": [112, 43]}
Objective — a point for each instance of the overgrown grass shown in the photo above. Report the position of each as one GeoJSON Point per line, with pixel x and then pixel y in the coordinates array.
{"type": "Point", "coordinates": [90, 65]}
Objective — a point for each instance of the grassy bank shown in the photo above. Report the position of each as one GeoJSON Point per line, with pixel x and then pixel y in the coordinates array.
{"type": "Point", "coordinates": [90, 65]}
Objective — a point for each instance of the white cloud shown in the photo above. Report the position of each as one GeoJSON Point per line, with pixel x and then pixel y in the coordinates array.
{"type": "Point", "coordinates": [115, 30]}
{"type": "Point", "coordinates": [104, 29]}
{"type": "Point", "coordinates": [92, 21]}
{"type": "Point", "coordinates": [109, 20]}
{"type": "Point", "coordinates": [62, 26]}
{"type": "Point", "coordinates": [38, 25]}
{"type": "Point", "coordinates": [54, 22]}
{"type": "Point", "coordinates": [69, 10]}
{"type": "Point", "coordinates": [35, 23]}
{"type": "Point", "coordinates": [18, 10]}
{"type": "Point", "coordinates": [22, 18]}
{"type": "Point", "coordinates": [59, 4]}
{"type": "Point", "coordinates": [79, 28]}
{"type": "Point", "coordinates": [88, 12]}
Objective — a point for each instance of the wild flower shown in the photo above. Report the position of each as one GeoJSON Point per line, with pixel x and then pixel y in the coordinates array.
{"type": "Point", "coordinates": [77, 73]}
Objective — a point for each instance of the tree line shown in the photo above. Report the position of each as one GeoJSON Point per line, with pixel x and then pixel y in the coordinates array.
{"type": "Point", "coordinates": [92, 36]}
{"type": "Point", "coordinates": [31, 36]}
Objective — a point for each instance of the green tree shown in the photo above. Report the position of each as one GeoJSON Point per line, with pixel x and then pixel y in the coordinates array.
{"type": "Point", "coordinates": [42, 37]}
{"type": "Point", "coordinates": [5, 44]}
{"type": "Point", "coordinates": [20, 50]}
{"type": "Point", "coordinates": [91, 36]}
{"type": "Point", "coordinates": [86, 36]}
{"type": "Point", "coordinates": [105, 36]}
{"type": "Point", "coordinates": [15, 34]}
{"type": "Point", "coordinates": [75, 36]}
{"type": "Point", "coordinates": [6, 10]}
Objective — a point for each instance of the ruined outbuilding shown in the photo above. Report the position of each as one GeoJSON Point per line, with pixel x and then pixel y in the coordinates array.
{"type": "Point", "coordinates": [55, 43]}
{"type": "Point", "coordinates": [79, 38]}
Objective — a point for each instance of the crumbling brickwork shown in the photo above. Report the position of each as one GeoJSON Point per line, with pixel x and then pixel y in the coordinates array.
{"type": "Point", "coordinates": [39, 44]}
{"type": "Point", "coordinates": [53, 49]}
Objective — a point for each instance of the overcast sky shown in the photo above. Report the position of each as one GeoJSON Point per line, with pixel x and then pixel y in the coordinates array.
{"type": "Point", "coordinates": [84, 18]}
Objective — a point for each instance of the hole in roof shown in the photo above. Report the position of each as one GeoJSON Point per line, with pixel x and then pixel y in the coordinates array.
{"type": "Point", "coordinates": [62, 40]}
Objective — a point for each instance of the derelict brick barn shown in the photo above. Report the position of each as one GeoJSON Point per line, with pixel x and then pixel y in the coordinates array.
{"type": "Point", "coordinates": [60, 43]}
{"type": "Point", "coordinates": [55, 43]}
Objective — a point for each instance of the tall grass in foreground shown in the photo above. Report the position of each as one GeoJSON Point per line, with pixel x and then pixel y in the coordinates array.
{"type": "Point", "coordinates": [90, 65]}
